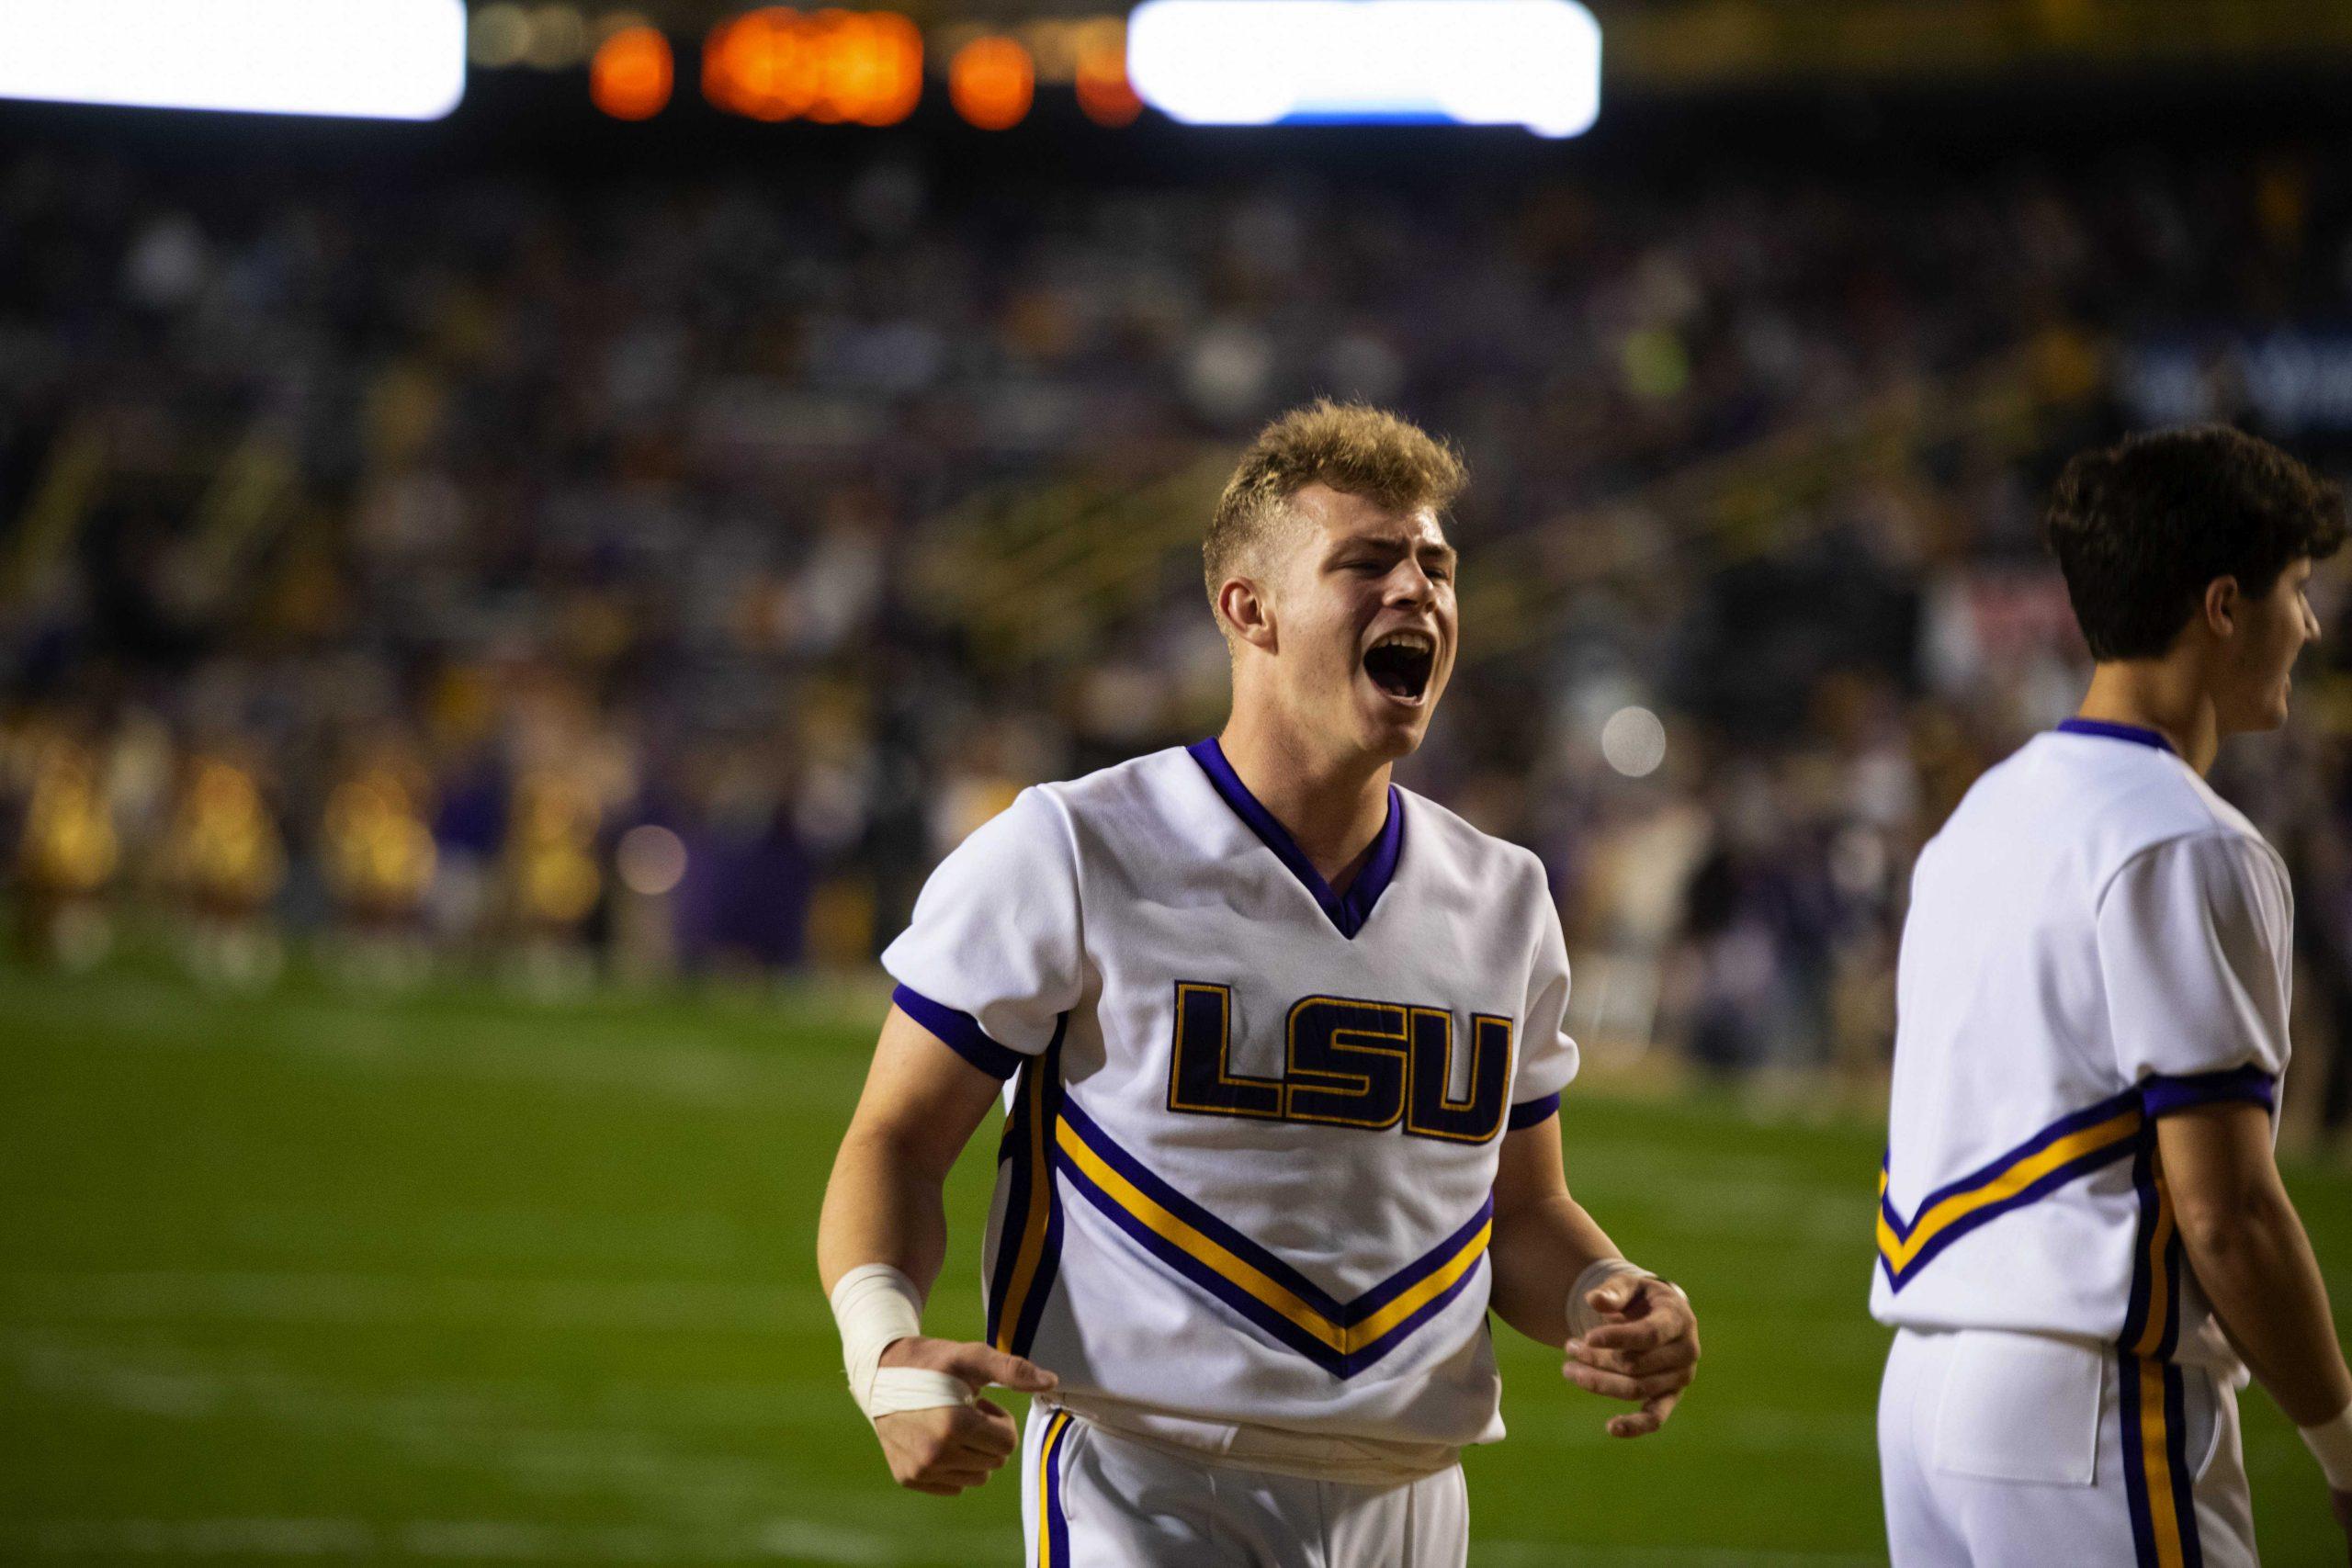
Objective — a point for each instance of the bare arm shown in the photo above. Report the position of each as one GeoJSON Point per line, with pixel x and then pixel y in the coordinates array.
{"type": "Point", "coordinates": [1647, 1350]}
{"type": "Point", "coordinates": [1544, 1240]}
{"type": "Point", "coordinates": [2251, 1257]}
{"type": "Point", "coordinates": [886, 1204]}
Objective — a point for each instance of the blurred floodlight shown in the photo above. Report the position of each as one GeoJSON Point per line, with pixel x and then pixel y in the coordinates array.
{"type": "Point", "coordinates": [774, 64]}
{"type": "Point", "coordinates": [1531, 62]}
{"type": "Point", "coordinates": [1633, 742]}
{"type": "Point", "coordinates": [650, 859]}
{"type": "Point", "coordinates": [559, 39]}
{"type": "Point", "coordinates": [501, 32]}
{"type": "Point", "coordinates": [991, 81]}
{"type": "Point", "coordinates": [369, 59]}
{"type": "Point", "coordinates": [632, 74]}
{"type": "Point", "coordinates": [1104, 93]}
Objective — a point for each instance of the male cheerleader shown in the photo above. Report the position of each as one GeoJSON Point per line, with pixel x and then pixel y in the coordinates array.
{"type": "Point", "coordinates": [1284, 1053]}
{"type": "Point", "coordinates": [2092, 1005]}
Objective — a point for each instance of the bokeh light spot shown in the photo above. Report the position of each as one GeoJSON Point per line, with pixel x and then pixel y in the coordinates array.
{"type": "Point", "coordinates": [991, 81]}
{"type": "Point", "coordinates": [1633, 742]}
{"type": "Point", "coordinates": [499, 33]}
{"type": "Point", "coordinates": [632, 74]}
{"type": "Point", "coordinates": [1104, 93]}
{"type": "Point", "coordinates": [651, 860]}
{"type": "Point", "coordinates": [833, 66]}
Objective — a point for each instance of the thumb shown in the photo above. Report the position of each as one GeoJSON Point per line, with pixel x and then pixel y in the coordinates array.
{"type": "Point", "coordinates": [1614, 1295]}
{"type": "Point", "coordinates": [981, 1365]}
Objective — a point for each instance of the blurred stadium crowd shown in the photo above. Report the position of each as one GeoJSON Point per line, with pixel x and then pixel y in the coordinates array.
{"type": "Point", "coordinates": [505, 572]}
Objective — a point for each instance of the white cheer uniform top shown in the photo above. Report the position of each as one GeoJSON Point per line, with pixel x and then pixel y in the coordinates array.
{"type": "Point", "coordinates": [2096, 939]}
{"type": "Point", "coordinates": [1245, 1180]}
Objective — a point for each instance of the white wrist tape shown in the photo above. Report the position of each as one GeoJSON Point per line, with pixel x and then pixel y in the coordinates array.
{"type": "Point", "coordinates": [1582, 1319]}
{"type": "Point", "coordinates": [876, 1306]}
{"type": "Point", "coordinates": [2331, 1444]}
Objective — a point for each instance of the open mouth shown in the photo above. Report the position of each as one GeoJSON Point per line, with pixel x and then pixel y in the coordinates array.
{"type": "Point", "coordinates": [1400, 664]}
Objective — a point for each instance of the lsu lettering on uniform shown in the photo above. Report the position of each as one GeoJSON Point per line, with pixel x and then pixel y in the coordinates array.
{"type": "Point", "coordinates": [1243, 1198]}
{"type": "Point", "coordinates": [2096, 939]}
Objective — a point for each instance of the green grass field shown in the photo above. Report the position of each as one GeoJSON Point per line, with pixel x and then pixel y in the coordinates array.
{"type": "Point", "coordinates": [459, 1279]}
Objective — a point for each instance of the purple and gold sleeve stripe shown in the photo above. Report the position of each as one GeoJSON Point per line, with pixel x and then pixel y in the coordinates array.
{"type": "Point", "coordinates": [2157, 1482]}
{"type": "Point", "coordinates": [2162, 1095]}
{"type": "Point", "coordinates": [1528, 1112]}
{"type": "Point", "coordinates": [960, 1032]}
{"type": "Point", "coordinates": [2070, 1147]}
{"type": "Point", "coordinates": [1028, 1252]}
{"type": "Point", "coordinates": [2152, 1394]}
{"type": "Point", "coordinates": [1342, 1337]}
{"type": "Point", "coordinates": [1053, 1511]}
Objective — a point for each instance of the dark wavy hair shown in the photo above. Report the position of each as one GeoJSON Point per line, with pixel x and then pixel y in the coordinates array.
{"type": "Point", "coordinates": [2139, 528]}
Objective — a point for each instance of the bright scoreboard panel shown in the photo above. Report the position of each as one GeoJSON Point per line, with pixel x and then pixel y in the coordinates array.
{"type": "Point", "coordinates": [374, 59]}
{"type": "Point", "coordinates": [1529, 62]}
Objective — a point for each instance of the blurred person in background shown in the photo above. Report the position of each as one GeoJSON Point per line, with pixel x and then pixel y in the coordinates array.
{"type": "Point", "coordinates": [378, 859]}
{"type": "Point", "coordinates": [67, 848]}
{"type": "Point", "coordinates": [223, 864]}
{"type": "Point", "coordinates": [551, 880]}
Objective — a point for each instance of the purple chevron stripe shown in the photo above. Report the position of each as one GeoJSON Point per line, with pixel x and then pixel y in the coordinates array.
{"type": "Point", "coordinates": [1281, 1328]}
{"type": "Point", "coordinates": [1406, 1325]}
{"type": "Point", "coordinates": [1200, 1219]}
{"type": "Point", "coordinates": [1898, 1277]}
{"type": "Point", "coordinates": [1420, 1269]}
{"type": "Point", "coordinates": [2074, 1122]}
{"type": "Point", "coordinates": [1274, 1323]}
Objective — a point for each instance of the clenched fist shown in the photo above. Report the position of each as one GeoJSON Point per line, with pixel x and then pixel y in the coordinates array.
{"type": "Point", "coordinates": [944, 1451]}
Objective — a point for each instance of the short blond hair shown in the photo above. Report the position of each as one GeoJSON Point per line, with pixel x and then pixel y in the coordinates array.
{"type": "Point", "coordinates": [1351, 448]}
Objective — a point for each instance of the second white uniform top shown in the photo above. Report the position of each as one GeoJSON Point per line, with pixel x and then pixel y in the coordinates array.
{"type": "Point", "coordinates": [1247, 1174]}
{"type": "Point", "coordinates": [2095, 939]}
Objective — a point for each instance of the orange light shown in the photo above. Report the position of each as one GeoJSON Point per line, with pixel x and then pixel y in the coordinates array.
{"type": "Point", "coordinates": [631, 74]}
{"type": "Point", "coordinates": [872, 67]}
{"type": "Point", "coordinates": [775, 64]}
{"type": "Point", "coordinates": [748, 66]}
{"type": "Point", "coordinates": [991, 81]}
{"type": "Point", "coordinates": [1103, 91]}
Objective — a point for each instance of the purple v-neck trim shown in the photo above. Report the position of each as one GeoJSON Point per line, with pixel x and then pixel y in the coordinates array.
{"type": "Point", "coordinates": [1348, 911]}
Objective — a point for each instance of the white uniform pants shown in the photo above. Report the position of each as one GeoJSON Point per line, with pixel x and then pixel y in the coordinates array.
{"type": "Point", "coordinates": [2018, 1451]}
{"type": "Point", "coordinates": [1091, 1499]}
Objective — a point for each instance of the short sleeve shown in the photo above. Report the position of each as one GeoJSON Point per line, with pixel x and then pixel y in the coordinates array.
{"type": "Point", "coordinates": [1547, 1057]}
{"type": "Point", "coordinates": [2194, 948]}
{"type": "Point", "coordinates": [991, 959]}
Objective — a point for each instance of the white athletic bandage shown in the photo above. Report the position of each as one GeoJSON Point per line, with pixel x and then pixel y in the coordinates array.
{"type": "Point", "coordinates": [876, 1305]}
{"type": "Point", "coordinates": [2331, 1444]}
{"type": "Point", "coordinates": [1582, 1319]}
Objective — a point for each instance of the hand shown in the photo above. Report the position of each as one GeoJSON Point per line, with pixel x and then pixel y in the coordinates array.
{"type": "Point", "coordinates": [1646, 1350]}
{"type": "Point", "coordinates": [944, 1451]}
